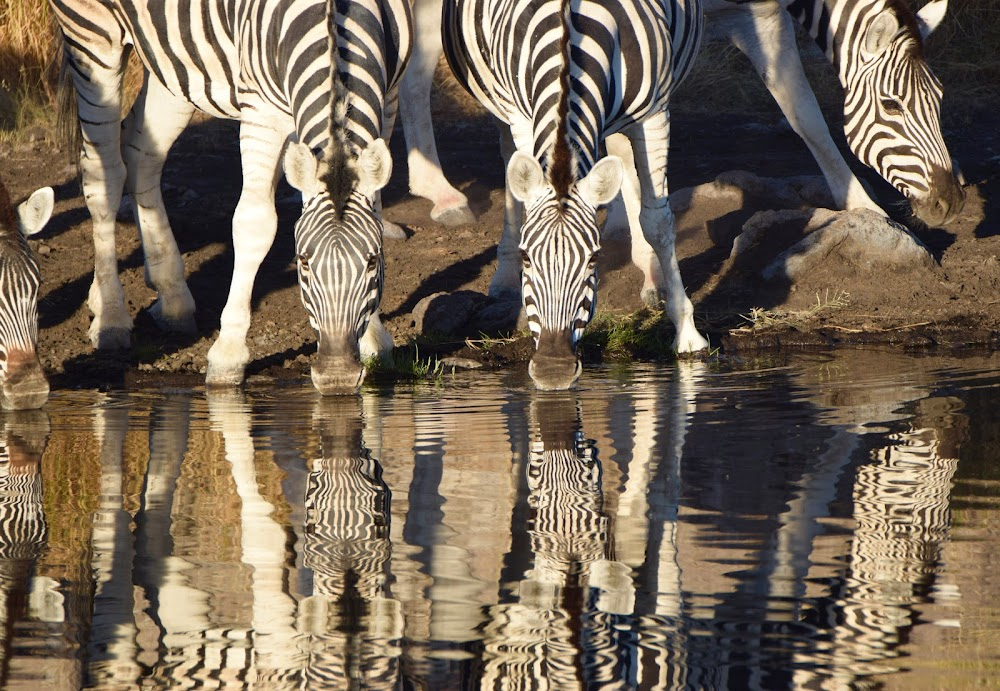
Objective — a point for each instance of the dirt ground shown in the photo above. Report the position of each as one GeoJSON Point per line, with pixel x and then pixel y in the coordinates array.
{"type": "Point", "coordinates": [954, 304]}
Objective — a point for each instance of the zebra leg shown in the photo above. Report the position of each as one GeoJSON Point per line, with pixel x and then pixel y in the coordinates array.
{"type": "Point", "coordinates": [629, 199]}
{"type": "Point", "coordinates": [98, 79]}
{"type": "Point", "coordinates": [426, 178]}
{"type": "Point", "coordinates": [377, 342]}
{"type": "Point", "coordinates": [254, 225]}
{"type": "Point", "coordinates": [390, 230]}
{"type": "Point", "coordinates": [650, 142]}
{"type": "Point", "coordinates": [157, 119]}
{"type": "Point", "coordinates": [506, 282]}
{"type": "Point", "coordinates": [765, 33]}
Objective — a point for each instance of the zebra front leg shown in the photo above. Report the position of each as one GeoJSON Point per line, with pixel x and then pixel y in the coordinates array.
{"type": "Point", "coordinates": [157, 119]}
{"type": "Point", "coordinates": [97, 79]}
{"type": "Point", "coordinates": [650, 142]}
{"type": "Point", "coordinates": [629, 200]}
{"type": "Point", "coordinates": [426, 177]}
{"type": "Point", "coordinates": [506, 282]}
{"type": "Point", "coordinates": [764, 33]}
{"type": "Point", "coordinates": [254, 225]}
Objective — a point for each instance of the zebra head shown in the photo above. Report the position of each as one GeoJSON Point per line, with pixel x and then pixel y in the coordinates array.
{"type": "Point", "coordinates": [560, 240]}
{"type": "Point", "coordinates": [892, 110]}
{"type": "Point", "coordinates": [23, 381]}
{"type": "Point", "coordinates": [338, 246]}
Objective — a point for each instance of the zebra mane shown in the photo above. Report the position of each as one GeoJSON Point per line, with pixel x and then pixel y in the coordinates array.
{"type": "Point", "coordinates": [8, 219]}
{"type": "Point", "coordinates": [340, 175]}
{"type": "Point", "coordinates": [562, 169]}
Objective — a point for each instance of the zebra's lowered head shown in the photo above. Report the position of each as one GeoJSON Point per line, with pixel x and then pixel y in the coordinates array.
{"type": "Point", "coordinates": [338, 246]}
{"type": "Point", "coordinates": [892, 107]}
{"type": "Point", "coordinates": [23, 381]}
{"type": "Point", "coordinates": [560, 241]}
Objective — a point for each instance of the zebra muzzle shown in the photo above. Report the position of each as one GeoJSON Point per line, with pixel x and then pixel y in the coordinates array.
{"type": "Point", "coordinates": [337, 370]}
{"type": "Point", "coordinates": [554, 365]}
{"type": "Point", "coordinates": [25, 386]}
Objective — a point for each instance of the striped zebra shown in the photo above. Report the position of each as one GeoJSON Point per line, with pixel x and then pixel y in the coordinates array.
{"type": "Point", "coordinates": [321, 74]}
{"type": "Point", "coordinates": [352, 625]}
{"type": "Point", "coordinates": [23, 381]}
{"type": "Point", "coordinates": [23, 530]}
{"type": "Point", "coordinates": [763, 30]}
{"type": "Point", "coordinates": [564, 76]}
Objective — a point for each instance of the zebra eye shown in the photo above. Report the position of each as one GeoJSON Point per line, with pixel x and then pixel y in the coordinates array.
{"type": "Point", "coordinates": [372, 262]}
{"type": "Point", "coordinates": [525, 260]}
{"type": "Point", "coordinates": [592, 264]}
{"type": "Point", "coordinates": [303, 260]}
{"type": "Point", "coordinates": [891, 106]}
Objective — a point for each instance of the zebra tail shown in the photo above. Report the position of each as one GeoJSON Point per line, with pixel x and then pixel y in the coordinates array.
{"type": "Point", "coordinates": [68, 129]}
{"type": "Point", "coordinates": [341, 174]}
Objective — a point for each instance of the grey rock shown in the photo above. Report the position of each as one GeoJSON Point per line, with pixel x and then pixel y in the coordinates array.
{"type": "Point", "coordinates": [861, 239]}
{"type": "Point", "coordinates": [446, 313]}
{"type": "Point", "coordinates": [501, 316]}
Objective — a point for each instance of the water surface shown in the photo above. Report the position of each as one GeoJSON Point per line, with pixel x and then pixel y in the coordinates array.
{"type": "Point", "coordinates": [826, 521]}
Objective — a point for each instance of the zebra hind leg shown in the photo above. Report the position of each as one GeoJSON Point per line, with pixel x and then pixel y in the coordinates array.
{"type": "Point", "coordinates": [427, 180]}
{"type": "Point", "coordinates": [156, 120]}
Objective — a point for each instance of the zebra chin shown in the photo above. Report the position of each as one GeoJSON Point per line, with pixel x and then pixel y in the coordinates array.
{"type": "Point", "coordinates": [555, 366]}
{"type": "Point", "coordinates": [25, 386]}
{"type": "Point", "coordinates": [338, 370]}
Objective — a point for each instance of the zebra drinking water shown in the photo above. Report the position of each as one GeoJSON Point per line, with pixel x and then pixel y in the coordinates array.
{"type": "Point", "coordinates": [564, 76]}
{"type": "Point", "coordinates": [23, 381]}
{"type": "Point", "coordinates": [911, 154]}
{"type": "Point", "coordinates": [321, 73]}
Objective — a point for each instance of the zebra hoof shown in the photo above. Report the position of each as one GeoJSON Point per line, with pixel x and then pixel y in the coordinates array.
{"type": "Point", "coordinates": [223, 377]}
{"type": "Point", "coordinates": [392, 231]}
{"type": "Point", "coordinates": [459, 215]}
{"type": "Point", "coordinates": [111, 338]}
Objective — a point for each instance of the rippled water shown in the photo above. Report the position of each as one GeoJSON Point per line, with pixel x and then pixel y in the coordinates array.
{"type": "Point", "coordinates": [831, 522]}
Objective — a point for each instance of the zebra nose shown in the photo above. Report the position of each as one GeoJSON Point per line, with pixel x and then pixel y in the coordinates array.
{"type": "Point", "coordinates": [555, 365]}
{"type": "Point", "coordinates": [945, 201]}
{"type": "Point", "coordinates": [25, 387]}
{"type": "Point", "coordinates": [337, 370]}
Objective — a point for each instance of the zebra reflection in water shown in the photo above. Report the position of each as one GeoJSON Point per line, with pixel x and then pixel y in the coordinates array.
{"type": "Point", "coordinates": [558, 625]}
{"type": "Point", "coordinates": [353, 627]}
{"type": "Point", "coordinates": [23, 531]}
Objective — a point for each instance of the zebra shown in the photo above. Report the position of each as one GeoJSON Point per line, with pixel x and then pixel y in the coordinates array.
{"type": "Point", "coordinates": [765, 34]}
{"type": "Point", "coordinates": [23, 529]}
{"type": "Point", "coordinates": [564, 76]}
{"type": "Point", "coordinates": [892, 100]}
{"type": "Point", "coordinates": [23, 381]}
{"type": "Point", "coordinates": [321, 74]}
{"type": "Point", "coordinates": [351, 622]}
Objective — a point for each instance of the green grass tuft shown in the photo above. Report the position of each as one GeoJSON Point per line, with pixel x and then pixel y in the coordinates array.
{"type": "Point", "coordinates": [643, 335]}
{"type": "Point", "coordinates": [404, 364]}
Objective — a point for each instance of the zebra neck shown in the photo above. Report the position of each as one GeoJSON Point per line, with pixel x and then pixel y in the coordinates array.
{"type": "Point", "coordinates": [838, 27]}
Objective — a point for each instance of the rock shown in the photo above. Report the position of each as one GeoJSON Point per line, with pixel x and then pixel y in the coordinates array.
{"type": "Point", "coordinates": [454, 363]}
{"type": "Point", "coordinates": [446, 313]}
{"type": "Point", "coordinates": [862, 239]}
{"type": "Point", "coordinates": [500, 316]}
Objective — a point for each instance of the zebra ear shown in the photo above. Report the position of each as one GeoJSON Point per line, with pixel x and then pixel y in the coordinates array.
{"type": "Point", "coordinates": [602, 182]}
{"type": "Point", "coordinates": [35, 212]}
{"type": "Point", "coordinates": [374, 168]}
{"type": "Point", "coordinates": [525, 177]}
{"type": "Point", "coordinates": [302, 169]}
{"type": "Point", "coordinates": [880, 33]}
{"type": "Point", "coordinates": [930, 15]}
